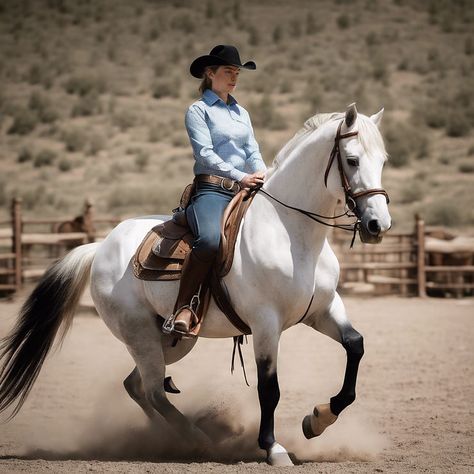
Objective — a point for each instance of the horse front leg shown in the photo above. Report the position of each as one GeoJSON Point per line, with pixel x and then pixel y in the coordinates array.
{"type": "Point", "coordinates": [336, 325]}
{"type": "Point", "coordinates": [265, 341]}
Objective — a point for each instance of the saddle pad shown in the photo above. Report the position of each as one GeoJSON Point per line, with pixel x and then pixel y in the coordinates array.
{"type": "Point", "coordinates": [160, 255]}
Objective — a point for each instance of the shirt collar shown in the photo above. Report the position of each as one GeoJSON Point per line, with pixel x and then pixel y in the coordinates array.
{"type": "Point", "coordinates": [210, 97]}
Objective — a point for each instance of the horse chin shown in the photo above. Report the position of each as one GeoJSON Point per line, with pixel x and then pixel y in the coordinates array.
{"type": "Point", "coordinates": [367, 238]}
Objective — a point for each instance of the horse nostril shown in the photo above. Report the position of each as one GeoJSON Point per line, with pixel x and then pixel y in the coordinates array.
{"type": "Point", "coordinates": [374, 227]}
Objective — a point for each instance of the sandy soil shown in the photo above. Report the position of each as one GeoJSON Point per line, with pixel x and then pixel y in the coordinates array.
{"type": "Point", "coordinates": [413, 412]}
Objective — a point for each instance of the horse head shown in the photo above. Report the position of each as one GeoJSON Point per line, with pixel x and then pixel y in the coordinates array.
{"type": "Point", "coordinates": [361, 154]}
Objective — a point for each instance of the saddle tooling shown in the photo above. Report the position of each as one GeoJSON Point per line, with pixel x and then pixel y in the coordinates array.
{"type": "Point", "coordinates": [161, 254]}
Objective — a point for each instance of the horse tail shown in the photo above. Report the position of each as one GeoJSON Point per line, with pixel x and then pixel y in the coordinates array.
{"type": "Point", "coordinates": [50, 306]}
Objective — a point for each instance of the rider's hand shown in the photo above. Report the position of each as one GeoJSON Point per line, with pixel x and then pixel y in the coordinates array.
{"type": "Point", "coordinates": [250, 181]}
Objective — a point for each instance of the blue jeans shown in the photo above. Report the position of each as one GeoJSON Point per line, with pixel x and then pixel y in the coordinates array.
{"type": "Point", "coordinates": [204, 215]}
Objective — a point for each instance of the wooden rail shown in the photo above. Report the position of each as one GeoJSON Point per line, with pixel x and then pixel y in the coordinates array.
{"type": "Point", "coordinates": [400, 264]}
{"type": "Point", "coordinates": [29, 245]}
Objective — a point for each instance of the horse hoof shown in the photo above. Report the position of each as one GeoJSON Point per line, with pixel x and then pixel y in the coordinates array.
{"type": "Point", "coordinates": [318, 421]}
{"type": "Point", "coordinates": [277, 455]}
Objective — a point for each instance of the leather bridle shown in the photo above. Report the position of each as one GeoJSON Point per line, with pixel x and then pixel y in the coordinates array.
{"type": "Point", "coordinates": [350, 196]}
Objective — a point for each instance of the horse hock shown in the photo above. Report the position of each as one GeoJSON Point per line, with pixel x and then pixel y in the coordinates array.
{"type": "Point", "coordinates": [318, 421]}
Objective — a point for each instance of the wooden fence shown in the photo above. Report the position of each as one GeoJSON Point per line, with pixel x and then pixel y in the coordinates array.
{"type": "Point", "coordinates": [29, 245]}
{"type": "Point", "coordinates": [426, 262]}
{"type": "Point", "coordinates": [412, 263]}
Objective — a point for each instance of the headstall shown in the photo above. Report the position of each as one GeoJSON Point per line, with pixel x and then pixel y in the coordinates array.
{"type": "Point", "coordinates": [351, 203]}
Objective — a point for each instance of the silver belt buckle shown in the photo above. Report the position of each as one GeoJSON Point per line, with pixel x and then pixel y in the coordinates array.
{"type": "Point", "coordinates": [223, 186]}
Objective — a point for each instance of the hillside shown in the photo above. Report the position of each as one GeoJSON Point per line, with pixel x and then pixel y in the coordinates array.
{"type": "Point", "coordinates": [93, 94]}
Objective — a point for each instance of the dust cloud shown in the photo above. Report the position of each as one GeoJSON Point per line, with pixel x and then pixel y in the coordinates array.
{"type": "Point", "coordinates": [116, 430]}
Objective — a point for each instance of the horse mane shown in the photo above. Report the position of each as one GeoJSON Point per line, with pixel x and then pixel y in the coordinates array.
{"type": "Point", "coordinates": [369, 136]}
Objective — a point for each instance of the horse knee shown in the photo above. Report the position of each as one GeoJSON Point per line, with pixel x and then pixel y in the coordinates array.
{"type": "Point", "coordinates": [353, 343]}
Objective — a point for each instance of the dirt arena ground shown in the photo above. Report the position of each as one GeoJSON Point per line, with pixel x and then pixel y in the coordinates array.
{"type": "Point", "coordinates": [414, 411]}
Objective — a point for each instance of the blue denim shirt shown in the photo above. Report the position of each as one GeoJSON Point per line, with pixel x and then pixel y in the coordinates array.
{"type": "Point", "coordinates": [222, 138]}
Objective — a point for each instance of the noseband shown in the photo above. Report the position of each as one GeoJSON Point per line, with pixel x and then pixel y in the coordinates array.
{"type": "Point", "coordinates": [350, 196]}
{"type": "Point", "coordinates": [351, 203]}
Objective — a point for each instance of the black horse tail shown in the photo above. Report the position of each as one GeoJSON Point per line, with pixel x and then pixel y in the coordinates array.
{"type": "Point", "coordinates": [50, 306]}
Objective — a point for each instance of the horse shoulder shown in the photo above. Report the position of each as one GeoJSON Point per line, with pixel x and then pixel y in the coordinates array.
{"type": "Point", "coordinates": [327, 272]}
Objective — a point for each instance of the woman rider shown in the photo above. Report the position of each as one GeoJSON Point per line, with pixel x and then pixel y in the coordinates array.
{"type": "Point", "coordinates": [227, 160]}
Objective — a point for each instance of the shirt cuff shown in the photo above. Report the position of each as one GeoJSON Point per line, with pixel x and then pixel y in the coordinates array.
{"type": "Point", "coordinates": [237, 175]}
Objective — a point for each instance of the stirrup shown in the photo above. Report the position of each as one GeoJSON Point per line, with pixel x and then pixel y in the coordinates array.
{"type": "Point", "coordinates": [168, 325]}
{"type": "Point", "coordinates": [169, 328]}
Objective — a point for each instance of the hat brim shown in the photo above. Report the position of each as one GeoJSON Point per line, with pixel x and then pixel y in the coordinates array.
{"type": "Point", "coordinates": [198, 65]}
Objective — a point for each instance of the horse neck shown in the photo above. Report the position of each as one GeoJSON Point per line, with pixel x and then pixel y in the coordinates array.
{"type": "Point", "coordinates": [299, 181]}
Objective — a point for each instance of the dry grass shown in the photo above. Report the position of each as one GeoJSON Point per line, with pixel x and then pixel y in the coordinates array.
{"type": "Point", "coordinates": [89, 80]}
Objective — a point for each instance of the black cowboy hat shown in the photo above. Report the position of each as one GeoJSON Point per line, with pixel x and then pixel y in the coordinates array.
{"type": "Point", "coordinates": [220, 55]}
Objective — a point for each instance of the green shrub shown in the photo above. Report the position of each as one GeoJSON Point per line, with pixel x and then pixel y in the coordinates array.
{"type": "Point", "coordinates": [466, 167]}
{"type": "Point", "coordinates": [95, 143]}
{"type": "Point", "coordinates": [142, 159]}
{"type": "Point", "coordinates": [457, 124]}
{"type": "Point", "coordinates": [312, 26]}
{"type": "Point", "coordinates": [286, 86]}
{"type": "Point", "coordinates": [24, 122]}
{"type": "Point", "coordinates": [156, 133]}
{"type": "Point", "coordinates": [236, 10]}
{"type": "Point", "coordinates": [44, 158]}
{"type": "Point", "coordinates": [264, 115]}
{"type": "Point", "coordinates": [24, 156]}
{"type": "Point", "coordinates": [444, 213]}
{"type": "Point", "coordinates": [40, 74]}
{"type": "Point", "coordinates": [469, 46]}
{"type": "Point", "coordinates": [85, 84]}
{"type": "Point", "coordinates": [254, 35]}
{"type": "Point", "coordinates": [40, 104]}
{"type": "Point", "coordinates": [160, 67]}
{"type": "Point", "coordinates": [87, 105]}
{"type": "Point", "coordinates": [166, 88]}
{"type": "Point", "coordinates": [379, 69]}
{"type": "Point", "coordinates": [411, 192]}
{"type": "Point", "coordinates": [295, 28]}
{"type": "Point", "coordinates": [180, 139]}
{"type": "Point", "coordinates": [74, 139]}
{"type": "Point", "coordinates": [124, 119]}
{"type": "Point", "coordinates": [210, 9]}
{"type": "Point", "coordinates": [371, 39]}
{"type": "Point", "coordinates": [433, 114]}
{"type": "Point", "coordinates": [404, 142]}
{"type": "Point", "coordinates": [277, 34]}
{"type": "Point", "coordinates": [64, 165]}
{"type": "Point", "coordinates": [184, 23]}
{"type": "Point", "coordinates": [343, 21]}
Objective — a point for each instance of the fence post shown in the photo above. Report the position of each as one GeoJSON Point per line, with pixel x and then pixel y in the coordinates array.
{"type": "Point", "coordinates": [420, 255]}
{"type": "Point", "coordinates": [16, 241]}
{"type": "Point", "coordinates": [88, 219]}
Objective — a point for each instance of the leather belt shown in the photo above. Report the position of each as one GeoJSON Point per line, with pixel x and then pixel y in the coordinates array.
{"type": "Point", "coordinates": [225, 183]}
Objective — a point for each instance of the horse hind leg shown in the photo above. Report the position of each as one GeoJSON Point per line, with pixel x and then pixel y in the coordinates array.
{"type": "Point", "coordinates": [134, 387]}
{"type": "Point", "coordinates": [146, 386]}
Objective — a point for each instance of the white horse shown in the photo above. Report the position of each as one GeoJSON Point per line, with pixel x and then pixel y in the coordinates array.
{"type": "Point", "coordinates": [283, 269]}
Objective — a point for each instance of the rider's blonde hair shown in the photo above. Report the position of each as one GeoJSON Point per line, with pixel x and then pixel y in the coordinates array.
{"type": "Point", "coordinates": [206, 82]}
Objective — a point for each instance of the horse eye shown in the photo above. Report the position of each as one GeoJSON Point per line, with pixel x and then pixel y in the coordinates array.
{"type": "Point", "coordinates": [353, 161]}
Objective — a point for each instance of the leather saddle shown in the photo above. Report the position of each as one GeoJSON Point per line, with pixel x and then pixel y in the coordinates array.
{"type": "Point", "coordinates": [161, 254]}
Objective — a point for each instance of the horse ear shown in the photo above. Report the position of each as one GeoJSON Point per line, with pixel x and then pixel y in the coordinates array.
{"type": "Point", "coordinates": [351, 115]}
{"type": "Point", "coordinates": [377, 118]}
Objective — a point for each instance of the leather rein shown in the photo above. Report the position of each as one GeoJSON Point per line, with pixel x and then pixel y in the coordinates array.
{"type": "Point", "coordinates": [350, 197]}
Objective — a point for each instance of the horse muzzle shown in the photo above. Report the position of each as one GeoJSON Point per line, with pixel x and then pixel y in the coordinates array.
{"type": "Point", "coordinates": [372, 229]}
